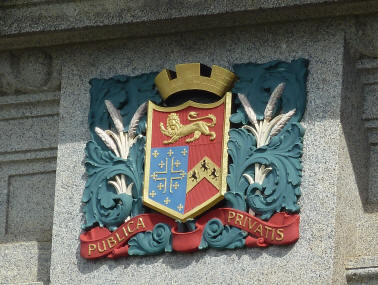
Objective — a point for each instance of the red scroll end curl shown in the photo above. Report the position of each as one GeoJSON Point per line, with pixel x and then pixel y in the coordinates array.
{"type": "Point", "coordinates": [186, 242]}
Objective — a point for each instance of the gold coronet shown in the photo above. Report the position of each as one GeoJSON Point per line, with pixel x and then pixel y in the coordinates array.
{"type": "Point", "coordinates": [188, 77]}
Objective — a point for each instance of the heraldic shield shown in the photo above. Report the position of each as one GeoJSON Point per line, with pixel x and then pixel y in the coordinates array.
{"type": "Point", "coordinates": [186, 157]}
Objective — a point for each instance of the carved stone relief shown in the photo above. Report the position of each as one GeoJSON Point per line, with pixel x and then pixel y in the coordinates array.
{"type": "Point", "coordinates": [29, 107]}
{"type": "Point", "coordinates": [28, 71]}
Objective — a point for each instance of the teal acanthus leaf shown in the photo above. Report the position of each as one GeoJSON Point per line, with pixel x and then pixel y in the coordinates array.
{"type": "Point", "coordinates": [266, 150]}
{"type": "Point", "coordinates": [217, 235]}
{"type": "Point", "coordinates": [241, 145]}
{"type": "Point", "coordinates": [126, 93]}
{"type": "Point", "coordinates": [152, 242]}
{"type": "Point", "coordinates": [270, 163]}
{"type": "Point", "coordinates": [102, 204]}
{"type": "Point", "coordinates": [280, 188]}
{"type": "Point", "coordinates": [115, 159]}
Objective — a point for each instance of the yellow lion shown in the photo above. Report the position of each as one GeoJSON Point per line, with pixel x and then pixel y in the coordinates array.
{"type": "Point", "coordinates": [176, 130]}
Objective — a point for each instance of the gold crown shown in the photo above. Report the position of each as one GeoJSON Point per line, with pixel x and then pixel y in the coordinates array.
{"type": "Point", "coordinates": [188, 77]}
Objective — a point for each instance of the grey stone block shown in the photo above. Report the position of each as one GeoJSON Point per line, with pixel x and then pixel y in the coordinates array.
{"type": "Point", "coordinates": [362, 270]}
{"type": "Point", "coordinates": [28, 142]}
{"type": "Point", "coordinates": [29, 133]}
{"type": "Point", "coordinates": [30, 206]}
{"type": "Point", "coordinates": [27, 262]}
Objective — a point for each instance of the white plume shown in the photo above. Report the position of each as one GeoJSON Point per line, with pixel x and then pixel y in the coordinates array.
{"type": "Point", "coordinates": [273, 100]}
{"type": "Point", "coordinates": [281, 123]}
{"type": "Point", "coordinates": [135, 120]}
{"type": "Point", "coordinates": [107, 140]}
{"type": "Point", "coordinates": [249, 178]}
{"type": "Point", "coordinates": [248, 109]}
{"type": "Point", "coordinates": [116, 116]}
{"type": "Point", "coordinates": [128, 189]}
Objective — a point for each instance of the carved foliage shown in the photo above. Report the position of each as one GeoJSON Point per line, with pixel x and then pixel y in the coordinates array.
{"type": "Point", "coordinates": [217, 235]}
{"type": "Point", "coordinates": [102, 204]}
{"type": "Point", "coordinates": [126, 93]}
{"type": "Point", "coordinates": [152, 242]}
{"type": "Point", "coordinates": [269, 155]}
{"type": "Point", "coordinates": [241, 146]}
{"type": "Point", "coordinates": [280, 189]}
{"type": "Point", "coordinates": [257, 81]}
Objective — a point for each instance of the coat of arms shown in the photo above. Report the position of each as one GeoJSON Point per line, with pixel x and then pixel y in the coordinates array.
{"type": "Point", "coordinates": [208, 158]}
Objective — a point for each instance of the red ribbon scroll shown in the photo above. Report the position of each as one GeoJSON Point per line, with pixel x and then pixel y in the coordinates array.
{"type": "Point", "coordinates": [281, 229]}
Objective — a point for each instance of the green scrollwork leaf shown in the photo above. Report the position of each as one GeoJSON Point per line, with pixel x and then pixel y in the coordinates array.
{"type": "Point", "coordinates": [152, 242]}
{"type": "Point", "coordinates": [126, 93]}
{"type": "Point", "coordinates": [235, 200]}
{"type": "Point", "coordinates": [102, 204]}
{"type": "Point", "coordinates": [241, 145]}
{"type": "Point", "coordinates": [135, 174]}
{"type": "Point", "coordinates": [280, 189]}
{"type": "Point", "coordinates": [217, 235]}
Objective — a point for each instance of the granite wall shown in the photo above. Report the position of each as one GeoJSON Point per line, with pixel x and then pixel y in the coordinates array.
{"type": "Point", "coordinates": [29, 119]}
{"type": "Point", "coordinates": [50, 49]}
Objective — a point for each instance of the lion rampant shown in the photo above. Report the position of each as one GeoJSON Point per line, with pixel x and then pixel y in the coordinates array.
{"type": "Point", "coordinates": [175, 130]}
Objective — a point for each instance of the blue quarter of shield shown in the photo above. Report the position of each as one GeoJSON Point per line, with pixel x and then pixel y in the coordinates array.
{"type": "Point", "coordinates": [168, 176]}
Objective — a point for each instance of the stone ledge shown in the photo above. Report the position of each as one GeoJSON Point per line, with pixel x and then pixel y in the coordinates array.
{"type": "Point", "coordinates": [362, 269]}
{"type": "Point", "coordinates": [29, 105]}
{"type": "Point", "coordinates": [29, 155]}
{"type": "Point", "coordinates": [60, 22]}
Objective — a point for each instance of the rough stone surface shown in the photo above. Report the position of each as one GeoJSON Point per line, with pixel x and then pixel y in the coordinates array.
{"type": "Point", "coordinates": [353, 161]}
{"type": "Point", "coordinates": [368, 69]}
{"type": "Point", "coordinates": [362, 270]}
{"type": "Point", "coordinates": [311, 258]}
{"type": "Point", "coordinates": [47, 23]}
{"type": "Point", "coordinates": [26, 262]}
{"type": "Point", "coordinates": [29, 107]}
{"type": "Point", "coordinates": [96, 12]}
{"type": "Point", "coordinates": [30, 132]}
{"type": "Point", "coordinates": [28, 71]}
{"type": "Point", "coordinates": [27, 193]}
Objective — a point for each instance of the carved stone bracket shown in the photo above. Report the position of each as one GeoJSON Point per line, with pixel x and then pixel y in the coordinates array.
{"type": "Point", "coordinates": [28, 71]}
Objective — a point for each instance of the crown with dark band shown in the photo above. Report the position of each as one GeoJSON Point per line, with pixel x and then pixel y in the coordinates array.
{"type": "Point", "coordinates": [194, 76]}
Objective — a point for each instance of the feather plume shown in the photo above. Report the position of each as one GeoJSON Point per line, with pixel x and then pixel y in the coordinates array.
{"type": "Point", "coordinates": [248, 109]}
{"type": "Point", "coordinates": [129, 188]}
{"type": "Point", "coordinates": [135, 120]}
{"type": "Point", "coordinates": [281, 123]}
{"type": "Point", "coordinates": [249, 178]}
{"type": "Point", "coordinates": [107, 140]}
{"type": "Point", "coordinates": [266, 171]}
{"type": "Point", "coordinates": [268, 113]}
{"type": "Point", "coordinates": [252, 130]}
{"type": "Point", "coordinates": [116, 116]}
{"type": "Point", "coordinates": [115, 185]}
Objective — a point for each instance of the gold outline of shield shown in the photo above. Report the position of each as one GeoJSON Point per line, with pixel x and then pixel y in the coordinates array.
{"type": "Point", "coordinates": [224, 165]}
